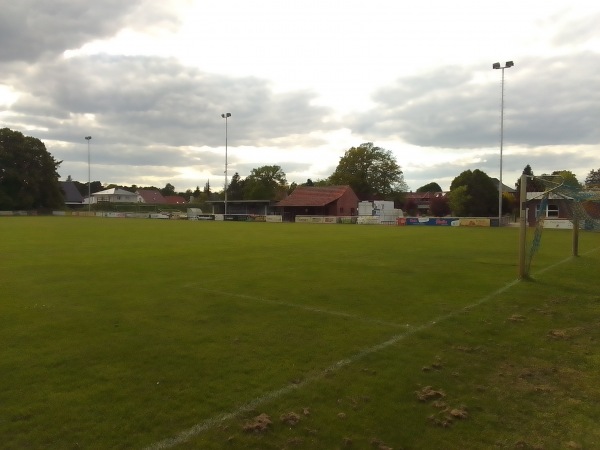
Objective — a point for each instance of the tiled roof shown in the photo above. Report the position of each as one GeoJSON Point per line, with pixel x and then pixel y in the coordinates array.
{"type": "Point", "coordinates": [151, 196]}
{"type": "Point", "coordinates": [314, 195]}
{"type": "Point", "coordinates": [174, 199]}
{"type": "Point", "coordinates": [72, 195]}
{"type": "Point", "coordinates": [114, 191]}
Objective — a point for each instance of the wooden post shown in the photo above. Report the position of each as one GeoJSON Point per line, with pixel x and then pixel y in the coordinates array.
{"type": "Point", "coordinates": [575, 236]}
{"type": "Point", "coordinates": [523, 272]}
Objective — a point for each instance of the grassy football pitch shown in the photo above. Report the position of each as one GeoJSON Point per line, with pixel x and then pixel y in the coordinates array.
{"type": "Point", "coordinates": [124, 333]}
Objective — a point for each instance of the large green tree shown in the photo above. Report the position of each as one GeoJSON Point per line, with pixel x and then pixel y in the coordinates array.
{"type": "Point", "coordinates": [168, 190]}
{"type": "Point", "coordinates": [478, 198]}
{"type": "Point", "coordinates": [370, 171]}
{"type": "Point", "coordinates": [568, 178]}
{"type": "Point", "coordinates": [593, 179]}
{"type": "Point", "coordinates": [534, 184]}
{"type": "Point", "coordinates": [458, 200]}
{"type": "Point", "coordinates": [95, 186]}
{"type": "Point", "coordinates": [235, 190]}
{"type": "Point", "coordinates": [265, 183]}
{"type": "Point", "coordinates": [430, 187]}
{"type": "Point", "coordinates": [28, 176]}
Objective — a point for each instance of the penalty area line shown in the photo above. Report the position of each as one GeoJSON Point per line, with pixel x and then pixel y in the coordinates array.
{"type": "Point", "coordinates": [207, 424]}
{"type": "Point", "coordinates": [186, 435]}
{"type": "Point", "coordinates": [305, 308]}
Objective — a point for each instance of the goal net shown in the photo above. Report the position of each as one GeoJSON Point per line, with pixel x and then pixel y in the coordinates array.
{"type": "Point", "coordinates": [559, 201]}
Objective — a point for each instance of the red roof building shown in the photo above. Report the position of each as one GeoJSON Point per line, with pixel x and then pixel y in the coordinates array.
{"type": "Point", "coordinates": [151, 196]}
{"type": "Point", "coordinates": [319, 201]}
{"type": "Point", "coordinates": [421, 201]}
{"type": "Point", "coordinates": [174, 200]}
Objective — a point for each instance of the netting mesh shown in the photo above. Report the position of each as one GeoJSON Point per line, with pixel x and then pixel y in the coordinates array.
{"type": "Point", "coordinates": [540, 217]}
{"type": "Point", "coordinates": [580, 206]}
{"type": "Point", "coordinates": [576, 203]}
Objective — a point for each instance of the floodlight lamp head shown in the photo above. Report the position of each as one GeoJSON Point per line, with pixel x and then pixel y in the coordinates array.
{"type": "Point", "coordinates": [88, 138]}
{"type": "Point", "coordinates": [509, 63]}
{"type": "Point", "coordinates": [226, 115]}
{"type": "Point", "coordinates": [496, 66]}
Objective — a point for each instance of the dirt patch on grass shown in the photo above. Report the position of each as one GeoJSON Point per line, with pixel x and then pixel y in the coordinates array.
{"type": "Point", "coordinates": [428, 393]}
{"type": "Point", "coordinates": [290, 418]}
{"type": "Point", "coordinates": [259, 424]}
{"type": "Point", "coordinates": [567, 333]}
{"type": "Point", "coordinates": [517, 318]}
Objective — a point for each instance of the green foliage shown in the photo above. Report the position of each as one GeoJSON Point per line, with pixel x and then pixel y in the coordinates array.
{"type": "Point", "coordinates": [324, 182]}
{"type": "Point", "coordinates": [168, 190]}
{"type": "Point", "coordinates": [235, 190]}
{"type": "Point", "coordinates": [95, 186]}
{"type": "Point", "coordinates": [569, 178]}
{"type": "Point", "coordinates": [430, 187]}
{"type": "Point", "coordinates": [509, 203]}
{"type": "Point", "coordinates": [265, 183]}
{"type": "Point", "coordinates": [370, 171]}
{"type": "Point", "coordinates": [292, 187]}
{"type": "Point", "coordinates": [593, 179]}
{"type": "Point", "coordinates": [28, 177]}
{"type": "Point", "coordinates": [479, 198]}
{"type": "Point", "coordinates": [533, 184]}
{"type": "Point", "coordinates": [459, 199]}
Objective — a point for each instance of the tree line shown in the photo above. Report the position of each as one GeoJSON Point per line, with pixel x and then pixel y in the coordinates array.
{"type": "Point", "coordinates": [29, 180]}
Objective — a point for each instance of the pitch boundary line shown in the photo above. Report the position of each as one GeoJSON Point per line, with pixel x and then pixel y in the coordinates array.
{"type": "Point", "coordinates": [207, 424]}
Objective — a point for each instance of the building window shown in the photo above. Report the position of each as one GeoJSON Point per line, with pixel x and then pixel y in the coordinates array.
{"type": "Point", "coordinates": [341, 209]}
{"type": "Point", "coordinates": [552, 211]}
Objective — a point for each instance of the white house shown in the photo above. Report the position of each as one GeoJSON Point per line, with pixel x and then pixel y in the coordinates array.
{"type": "Point", "coordinates": [114, 195]}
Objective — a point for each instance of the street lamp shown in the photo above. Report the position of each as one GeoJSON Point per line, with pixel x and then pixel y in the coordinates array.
{"type": "Point", "coordinates": [87, 138]}
{"type": "Point", "coordinates": [225, 116]}
{"type": "Point", "coordinates": [498, 66]}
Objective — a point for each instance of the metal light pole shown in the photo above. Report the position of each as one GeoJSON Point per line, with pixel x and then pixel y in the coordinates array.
{"type": "Point", "coordinates": [87, 138]}
{"type": "Point", "coordinates": [225, 116]}
{"type": "Point", "coordinates": [498, 66]}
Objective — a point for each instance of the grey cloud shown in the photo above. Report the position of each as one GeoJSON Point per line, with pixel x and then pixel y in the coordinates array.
{"type": "Point", "coordinates": [547, 101]}
{"type": "Point", "coordinates": [157, 101]}
{"type": "Point", "coordinates": [542, 161]}
{"type": "Point", "coordinates": [32, 29]}
{"type": "Point", "coordinates": [578, 31]}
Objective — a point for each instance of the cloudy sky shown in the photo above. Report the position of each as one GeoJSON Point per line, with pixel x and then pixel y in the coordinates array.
{"type": "Point", "coordinates": [304, 81]}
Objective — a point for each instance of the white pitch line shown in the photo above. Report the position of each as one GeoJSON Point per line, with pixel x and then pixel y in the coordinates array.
{"type": "Point", "coordinates": [305, 308]}
{"type": "Point", "coordinates": [545, 269]}
{"type": "Point", "coordinates": [207, 424]}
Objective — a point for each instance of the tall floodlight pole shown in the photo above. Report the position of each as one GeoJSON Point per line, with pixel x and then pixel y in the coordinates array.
{"type": "Point", "coordinates": [226, 116]}
{"type": "Point", "coordinates": [87, 138]}
{"type": "Point", "coordinates": [498, 66]}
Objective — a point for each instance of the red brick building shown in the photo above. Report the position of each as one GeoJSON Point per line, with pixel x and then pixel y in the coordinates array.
{"type": "Point", "coordinates": [319, 201]}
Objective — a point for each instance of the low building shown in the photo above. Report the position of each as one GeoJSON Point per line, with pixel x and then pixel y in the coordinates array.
{"type": "Point", "coordinates": [114, 195]}
{"type": "Point", "coordinates": [422, 201]}
{"type": "Point", "coordinates": [557, 207]}
{"type": "Point", "coordinates": [319, 201]}
{"type": "Point", "coordinates": [151, 196]}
